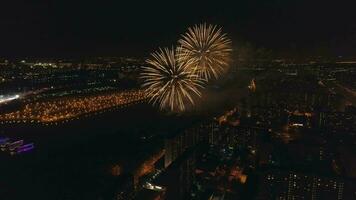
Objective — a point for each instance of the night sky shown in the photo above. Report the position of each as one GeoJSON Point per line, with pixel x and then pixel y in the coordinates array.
{"type": "Point", "coordinates": [134, 28]}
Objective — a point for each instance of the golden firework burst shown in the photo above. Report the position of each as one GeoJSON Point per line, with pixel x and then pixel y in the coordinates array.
{"type": "Point", "coordinates": [168, 82]}
{"type": "Point", "coordinates": [207, 49]}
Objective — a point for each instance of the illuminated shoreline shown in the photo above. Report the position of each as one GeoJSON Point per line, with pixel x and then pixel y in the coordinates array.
{"type": "Point", "coordinates": [71, 108]}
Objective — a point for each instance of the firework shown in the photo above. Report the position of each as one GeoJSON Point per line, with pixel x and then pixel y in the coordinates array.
{"type": "Point", "coordinates": [168, 82]}
{"type": "Point", "coordinates": [207, 49]}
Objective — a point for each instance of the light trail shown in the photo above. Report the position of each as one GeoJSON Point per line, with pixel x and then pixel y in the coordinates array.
{"type": "Point", "coordinates": [4, 99]}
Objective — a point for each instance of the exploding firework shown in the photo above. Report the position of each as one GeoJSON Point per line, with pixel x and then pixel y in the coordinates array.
{"type": "Point", "coordinates": [168, 82]}
{"type": "Point", "coordinates": [207, 49]}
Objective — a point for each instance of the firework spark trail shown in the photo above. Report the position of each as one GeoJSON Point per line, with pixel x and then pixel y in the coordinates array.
{"type": "Point", "coordinates": [168, 82]}
{"type": "Point", "coordinates": [207, 50]}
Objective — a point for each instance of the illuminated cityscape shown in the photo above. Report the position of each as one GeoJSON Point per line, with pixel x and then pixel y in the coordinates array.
{"type": "Point", "coordinates": [198, 100]}
{"type": "Point", "coordinates": [58, 110]}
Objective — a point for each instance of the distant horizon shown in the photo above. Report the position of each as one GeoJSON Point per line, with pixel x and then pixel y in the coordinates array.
{"type": "Point", "coordinates": [335, 58]}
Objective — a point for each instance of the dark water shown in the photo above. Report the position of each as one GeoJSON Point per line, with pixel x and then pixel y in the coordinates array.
{"type": "Point", "coordinates": [72, 161]}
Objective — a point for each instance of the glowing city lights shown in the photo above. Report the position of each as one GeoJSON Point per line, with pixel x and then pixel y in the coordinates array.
{"type": "Point", "coordinates": [70, 107]}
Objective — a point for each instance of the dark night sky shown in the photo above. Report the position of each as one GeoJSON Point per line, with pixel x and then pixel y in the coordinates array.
{"type": "Point", "coordinates": [84, 28]}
